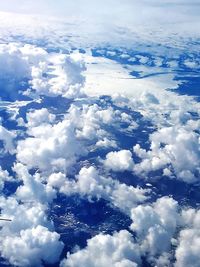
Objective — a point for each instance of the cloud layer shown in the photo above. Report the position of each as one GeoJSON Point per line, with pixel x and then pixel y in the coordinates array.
{"type": "Point", "coordinates": [62, 144]}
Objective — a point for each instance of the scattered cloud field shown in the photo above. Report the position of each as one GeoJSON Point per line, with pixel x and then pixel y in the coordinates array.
{"type": "Point", "coordinates": [99, 145]}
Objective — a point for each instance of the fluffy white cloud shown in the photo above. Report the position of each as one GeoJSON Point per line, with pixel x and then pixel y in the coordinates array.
{"type": "Point", "coordinates": [118, 250]}
{"type": "Point", "coordinates": [57, 180]}
{"type": "Point", "coordinates": [155, 225]}
{"type": "Point", "coordinates": [38, 117]}
{"type": "Point", "coordinates": [90, 183]}
{"type": "Point", "coordinates": [26, 240]}
{"type": "Point", "coordinates": [91, 119]}
{"type": "Point", "coordinates": [14, 66]}
{"type": "Point", "coordinates": [60, 143]}
{"type": "Point", "coordinates": [4, 176]}
{"type": "Point", "coordinates": [32, 247]}
{"type": "Point", "coordinates": [32, 189]}
{"type": "Point", "coordinates": [187, 253]}
{"type": "Point", "coordinates": [175, 149]}
{"type": "Point", "coordinates": [23, 216]}
{"type": "Point", "coordinates": [162, 108]}
{"type": "Point", "coordinates": [59, 74]}
{"type": "Point", "coordinates": [51, 146]}
{"type": "Point", "coordinates": [8, 139]}
{"type": "Point", "coordinates": [164, 260]}
{"type": "Point", "coordinates": [191, 218]}
{"type": "Point", "coordinates": [106, 143]}
{"type": "Point", "coordinates": [119, 161]}
{"type": "Point", "coordinates": [49, 74]}
{"type": "Point", "coordinates": [176, 134]}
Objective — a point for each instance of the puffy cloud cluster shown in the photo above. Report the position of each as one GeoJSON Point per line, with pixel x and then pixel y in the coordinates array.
{"type": "Point", "coordinates": [23, 215]}
{"type": "Point", "coordinates": [155, 227]}
{"type": "Point", "coordinates": [14, 65]}
{"type": "Point", "coordinates": [50, 146]}
{"type": "Point", "coordinates": [48, 74]}
{"type": "Point", "coordinates": [32, 247]}
{"type": "Point", "coordinates": [38, 117]}
{"type": "Point", "coordinates": [118, 250]}
{"type": "Point", "coordinates": [89, 183]}
{"type": "Point", "coordinates": [29, 226]}
{"type": "Point", "coordinates": [176, 150]}
{"type": "Point", "coordinates": [162, 108]}
{"type": "Point", "coordinates": [56, 145]}
{"type": "Point", "coordinates": [174, 144]}
{"type": "Point", "coordinates": [90, 119]}
{"type": "Point", "coordinates": [26, 240]}
{"type": "Point", "coordinates": [58, 74]}
{"type": "Point", "coordinates": [32, 189]}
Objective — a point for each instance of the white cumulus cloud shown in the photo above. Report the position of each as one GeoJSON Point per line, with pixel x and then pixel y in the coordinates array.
{"type": "Point", "coordinates": [118, 250]}
{"type": "Point", "coordinates": [119, 161]}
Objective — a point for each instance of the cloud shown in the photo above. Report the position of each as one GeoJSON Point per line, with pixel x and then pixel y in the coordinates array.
{"type": "Point", "coordinates": [32, 189]}
{"type": "Point", "coordinates": [14, 66]}
{"type": "Point", "coordinates": [191, 217]}
{"type": "Point", "coordinates": [106, 143]}
{"type": "Point", "coordinates": [50, 144]}
{"type": "Point", "coordinates": [168, 145]}
{"type": "Point", "coordinates": [32, 247]}
{"type": "Point", "coordinates": [4, 177]}
{"type": "Point", "coordinates": [38, 117]}
{"type": "Point", "coordinates": [187, 253]}
{"type": "Point", "coordinates": [8, 140]}
{"type": "Point", "coordinates": [131, 20]}
{"type": "Point", "coordinates": [119, 161]}
{"type": "Point", "coordinates": [59, 74]}
{"type": "Point", "coordinates": [57, 180]}
{"type": "Point", "coordinates": [26, 240]}
{"type": "Point", "coordinates": [47, 74]}
{"type": "Point", "coordinates": [61, 143]}
{"type": "Point", "coordinates": [102, 10]}
{"type": "Point", "coordinates": [89, 183]}
{"type": "Point", "coordinates": [155, 225]}
{"type": "Point", "coordinates": [118, 250]}
{"type": "Point", "coordinates": [23, 215]}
